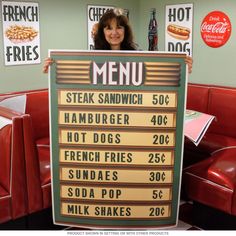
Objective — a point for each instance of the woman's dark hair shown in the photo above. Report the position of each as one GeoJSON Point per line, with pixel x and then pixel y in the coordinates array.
{"type": "Point", "coordinates": [100, 41]}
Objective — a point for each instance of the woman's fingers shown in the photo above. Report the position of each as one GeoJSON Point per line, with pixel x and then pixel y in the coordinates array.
{"type": "Point", "coordinates": [47, 62]}
{"type": "Point", "coordinates": [189, 62]}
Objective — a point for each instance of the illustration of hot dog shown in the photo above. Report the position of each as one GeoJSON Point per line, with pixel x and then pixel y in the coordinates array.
{"type": "Point", "coordinates": [178, 32]}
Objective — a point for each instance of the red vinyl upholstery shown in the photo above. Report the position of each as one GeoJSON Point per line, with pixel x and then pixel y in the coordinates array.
{"type": "Point", "coordinates": [220, 102]}
{"type": "Point", "coordinates": [13, 192]}
{"type": "Point", "coordinates": [222, 105]}
{"type": "Point", "coordinates": [211, 179]}
{"type": "Point", "coordinates": [197, 95]}
{"type": "Point", "coordinates": [31, 155]}
{"type": "Point", "coordinates": [37, 150]}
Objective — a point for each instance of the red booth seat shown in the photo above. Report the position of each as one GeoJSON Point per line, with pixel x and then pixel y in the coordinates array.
{"type": "Point", "coordinates": [33, 143]}
{"type": "Point", "coordinates": [220, 102]}
{"type": "Point", "coordinates": [13, 192]}
{"type": "Point", "coordinates": [211, 179]}
{"type": "Point", "coordinates": [37, 150]}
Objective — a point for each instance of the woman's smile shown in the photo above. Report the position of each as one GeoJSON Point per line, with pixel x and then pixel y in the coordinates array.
{"type": "Point", "coordinates": [114, 34]}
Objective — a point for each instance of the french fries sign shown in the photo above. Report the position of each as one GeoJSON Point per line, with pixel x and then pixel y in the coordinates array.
{"type": "Point", "coordinates": [116, 136]}
{"type": "Point", "coordinates": [21, 33]}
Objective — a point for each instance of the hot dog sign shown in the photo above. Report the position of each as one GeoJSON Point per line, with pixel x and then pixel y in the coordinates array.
{"type": "Point", "coordinates": [178, 33]}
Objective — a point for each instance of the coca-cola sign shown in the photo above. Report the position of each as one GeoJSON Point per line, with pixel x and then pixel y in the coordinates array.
{"type": "Point", "coordinates": [216, 29]}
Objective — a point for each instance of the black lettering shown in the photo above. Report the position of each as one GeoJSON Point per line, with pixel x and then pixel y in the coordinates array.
{"type": "Point", "coordinates": [23, 53]}
{"type": "Point", "coordinates": [71, 209]}
{"type": "Point", "coordinates": [9, 53]}
{"type": "Point", "coordinates": [71, 174]}
{"type": "Point", "coordinates": [96, 13]}
{"type": "Point", "coordinates": [188, 13]}
{"type": "Point", "coordinates": [28, 53]}
{"type": "Point", "coordinates": [106, 138]}
{"type": "Point", "coordinates": [34, 14]}
{"type": "Point", "coordinates": [20, 13]}
{"type": "Point", "coordinates": [180, 14]}
{"type": "Point", "coordinates": [70, 192]}
{"type": "Point", "coordinates": [128, 211]}
{"type": "Point", "coordinates": [8, 12]}
{"type": "Point", "coordinates": [117, 141]}
{"type": "Point", "coordinates": [90, 14]}
{"type": "Point", "coordinates": [178, 47]}
{"type": "Point", "coordinates": [112, 211]}
{"type": "Point", "coordinates": [17, 53]}
{"type": "Point", "coordinates": [86, 212]}
{"type": "Point", "coordinates": [171, 47]}
{"type": "Point", "coordinates": [129, 159]}
{"type": "Point", "coordinates": [36, 54]}
{"type": "Point", "coordinates": [172, 15]}
{"type": "Point", "coordinates": [66, 118]}
{"type": "Point", "coordinates": [115, 175]}
{"type": "Point", "coordinates": [111, 193]}
{"type": "Point", "coordinates": [67, 155]}
{"type": "Point", "coordinates": [68, 98]}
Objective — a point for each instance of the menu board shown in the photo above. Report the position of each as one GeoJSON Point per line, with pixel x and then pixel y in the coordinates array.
{"type": "Point", "coordinates": [116, 138]}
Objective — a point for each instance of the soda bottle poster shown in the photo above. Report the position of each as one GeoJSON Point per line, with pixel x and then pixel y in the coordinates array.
{"type": "Point", "coordinates": [21, 32]}
{"type": "Point", "coordinates": [94, 14]}
{"type": "Point", "coordinates": [178, 28]}
{"type": "Point", "coordinates": [152, 31]}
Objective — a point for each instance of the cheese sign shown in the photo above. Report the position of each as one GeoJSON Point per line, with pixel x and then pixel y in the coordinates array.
{"type": "Point", "coordinates": [117, 136]}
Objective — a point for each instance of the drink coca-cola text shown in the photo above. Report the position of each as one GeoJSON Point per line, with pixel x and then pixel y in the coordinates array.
{"type": "Point", "coordinates": [216, 29]}
{"type": "Point", "coordinates": [219, 27]}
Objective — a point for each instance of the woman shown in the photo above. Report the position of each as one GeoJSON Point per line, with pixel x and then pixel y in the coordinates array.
{"type": "Point", "coordinates": [114, 33]}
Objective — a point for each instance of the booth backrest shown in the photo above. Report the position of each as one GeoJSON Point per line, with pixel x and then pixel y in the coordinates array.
{"type": "Point", "coordinates": [5, 157]}
{"type": "Point", "coordinates": [219, 101]}
{"type": "Point", "coordinates": [13, 189]}
{"type": "Point", "coordinates": [222, 104]}
{"type": "Point", "coordinates": [6, 146]}
{"type": "Point", "coordinates": [197, 97]}
{"type": "Point", "coordinates": [37, 107]}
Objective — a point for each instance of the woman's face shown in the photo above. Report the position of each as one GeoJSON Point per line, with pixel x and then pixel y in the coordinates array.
{"type": "Point", "coordinates": [114, 34]}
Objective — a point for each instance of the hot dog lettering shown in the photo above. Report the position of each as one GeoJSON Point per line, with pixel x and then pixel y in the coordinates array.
{"type": "Point", "coordinates": [178, 32]}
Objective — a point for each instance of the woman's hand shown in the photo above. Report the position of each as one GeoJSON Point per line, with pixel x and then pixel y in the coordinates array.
{"type": "Point", "coordinates": [189, 62]}
{"type": "Point", "coordinates": [47, 62]}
